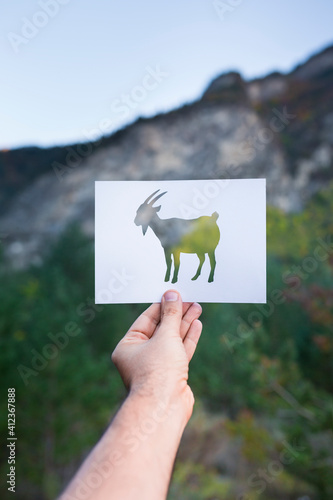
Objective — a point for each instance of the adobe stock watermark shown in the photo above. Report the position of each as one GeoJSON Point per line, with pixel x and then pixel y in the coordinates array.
{"type": "Point", "coordinates": [292, 277]}
{"type": "Point", "coordinates": [60, 340]}
{"type": "Point", "coordinates": [201, 198]}
{"type": "Point", "coordinates": [266, 476]}
{"type": "Point", "coordinates": [296, 409]}
{"type": "Point", "coordinates": [322, 414]}
{"type": "Point", "coordinates": [259, 480]}
{"type": "Point", "coordinates": [121, 109]}
{"type": "Point", "coordinates": [248, 149]}
{"type": "Point", "coordinates": [227, 7]}
{"type": "Point", "coordinates": [106, 459]}
{"type": "Point", "coordinates": [117, 283]}
{"type": "Point", "coordinates": [292, 401]}
{"type": "Point", "coordinates": [276, 124]}
{"type": "Point", "coordinates": [30, 28]}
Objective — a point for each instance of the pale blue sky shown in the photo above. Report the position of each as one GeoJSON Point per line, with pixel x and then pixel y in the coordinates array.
{"type": "Point", "coordinates": [76, 70]}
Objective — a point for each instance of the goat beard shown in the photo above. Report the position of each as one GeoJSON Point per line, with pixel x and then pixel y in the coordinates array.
{"type": "Point", "coordinates": [144, 229]}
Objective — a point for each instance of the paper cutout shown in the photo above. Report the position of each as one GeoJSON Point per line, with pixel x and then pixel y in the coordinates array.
{"type": "Point", "coordinates": [199, 236]}
{"type": "Point", "coordinates": [204, 238]}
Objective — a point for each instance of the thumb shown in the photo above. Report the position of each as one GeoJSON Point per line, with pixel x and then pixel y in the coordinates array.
{"type": "Point", "coordinates": [171, 311]}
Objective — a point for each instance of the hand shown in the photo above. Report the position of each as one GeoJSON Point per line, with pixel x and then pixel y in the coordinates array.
{"type": "Point", "coordinates": [154, 355]}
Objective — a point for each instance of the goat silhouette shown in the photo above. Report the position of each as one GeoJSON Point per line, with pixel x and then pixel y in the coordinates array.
{"type": "Point", "coordinates": [199, 236]}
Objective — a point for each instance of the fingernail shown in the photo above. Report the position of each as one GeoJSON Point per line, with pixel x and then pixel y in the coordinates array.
{"type": "Point", "coordinates": [171, 296]}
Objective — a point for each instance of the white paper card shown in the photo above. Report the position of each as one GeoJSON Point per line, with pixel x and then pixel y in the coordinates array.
{"type": "Point", "coordinates": [204, 238]}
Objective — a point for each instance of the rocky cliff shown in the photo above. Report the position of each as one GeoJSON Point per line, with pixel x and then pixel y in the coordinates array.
{"type": "Point", "coordinates": [279, 127]}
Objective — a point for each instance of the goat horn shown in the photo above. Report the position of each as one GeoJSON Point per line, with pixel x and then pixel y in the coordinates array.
{"type": "Point", "coordinates": [150, 196]}
{"type": "Point", "coordinates": [157, 197]}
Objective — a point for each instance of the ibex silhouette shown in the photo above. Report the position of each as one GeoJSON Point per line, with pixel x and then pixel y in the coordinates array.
{"type": "Point", "coordinates": [177, 236]}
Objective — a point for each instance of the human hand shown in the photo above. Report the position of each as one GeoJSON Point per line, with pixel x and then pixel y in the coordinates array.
{"type": "Point", "coordinates": [153, 356]}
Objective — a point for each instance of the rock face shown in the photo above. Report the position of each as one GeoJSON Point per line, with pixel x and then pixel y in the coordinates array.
{"type": "Point", "coordinates": [279, 127]}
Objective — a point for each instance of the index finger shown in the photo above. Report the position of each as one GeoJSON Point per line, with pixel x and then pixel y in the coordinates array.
{"type": "Point", "coordinates": [147, 322]}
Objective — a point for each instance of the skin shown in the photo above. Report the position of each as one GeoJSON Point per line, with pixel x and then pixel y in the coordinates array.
{"type": "Point", "coordinates": [134, 458]}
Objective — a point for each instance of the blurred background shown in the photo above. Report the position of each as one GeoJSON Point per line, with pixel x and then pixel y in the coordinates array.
{"type": "Point", "coordinates": [169, 90]}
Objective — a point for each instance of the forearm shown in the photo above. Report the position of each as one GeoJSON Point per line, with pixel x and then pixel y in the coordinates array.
{"type": "Point", "coordinates": [134, 458]}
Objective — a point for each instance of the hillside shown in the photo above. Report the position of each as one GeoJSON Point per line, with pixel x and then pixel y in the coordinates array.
{"type": "Point", "coordinates": [278, 127]}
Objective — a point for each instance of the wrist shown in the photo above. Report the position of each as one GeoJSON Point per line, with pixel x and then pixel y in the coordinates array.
{"type": "Point", "coordinates": [160, 406]}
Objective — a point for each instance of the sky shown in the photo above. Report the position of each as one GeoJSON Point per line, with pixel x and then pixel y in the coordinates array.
{"type": "Point", "coordinates": [74, 70]}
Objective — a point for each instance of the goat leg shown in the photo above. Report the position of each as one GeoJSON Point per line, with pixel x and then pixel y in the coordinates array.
{"type": "Point", "coordinates": [212, 266]}
{"type": "Point", "coordinates": [202, 260]}
{"type": "Point", "coordinates": [168, 261]}
{"type": "Point", "coordinates": [176, 261]}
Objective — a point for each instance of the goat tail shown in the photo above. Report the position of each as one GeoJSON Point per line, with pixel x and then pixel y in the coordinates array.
{"type": "Point", "coordinates": [215, 216]}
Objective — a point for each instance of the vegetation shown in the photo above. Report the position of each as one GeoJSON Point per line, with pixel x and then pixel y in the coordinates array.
{"type": "Point", "coordinates": [262, 374]}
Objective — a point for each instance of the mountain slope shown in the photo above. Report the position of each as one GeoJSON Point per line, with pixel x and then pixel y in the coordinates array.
{"type": "Point", "coordinates": [278, 127]}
